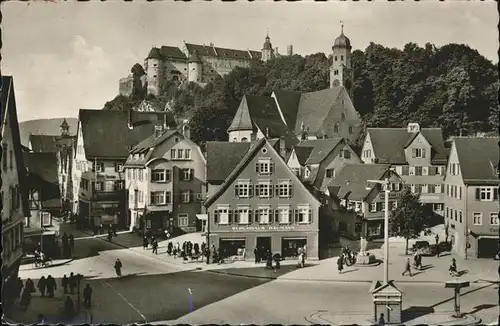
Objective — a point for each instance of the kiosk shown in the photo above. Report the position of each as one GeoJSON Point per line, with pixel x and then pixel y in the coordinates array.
{"type": "Point", "coordinates": [457, 285]}
{"type": "Point", "coordinates": [387, 300]}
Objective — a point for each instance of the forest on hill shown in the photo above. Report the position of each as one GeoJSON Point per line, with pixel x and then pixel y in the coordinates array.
{"type": "Point", "coordinates": [452, 87]}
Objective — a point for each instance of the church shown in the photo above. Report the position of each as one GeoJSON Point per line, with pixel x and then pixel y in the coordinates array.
{"type": "Point", "coordinates": [293, 116]}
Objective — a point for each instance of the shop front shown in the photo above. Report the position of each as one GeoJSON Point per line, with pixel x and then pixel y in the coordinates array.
{"type": "Point", "coordinates": [290, 246]}
{"type": "Point", "coordinates": [374, 229]}
{"type": "Point", "coordinates": [232, 246]}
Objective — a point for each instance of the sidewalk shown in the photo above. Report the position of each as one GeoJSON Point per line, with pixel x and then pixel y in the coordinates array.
{"type": "Point", "coordinates": [51, 308]}
{"type": "Point", "coordinates": [55, 263]}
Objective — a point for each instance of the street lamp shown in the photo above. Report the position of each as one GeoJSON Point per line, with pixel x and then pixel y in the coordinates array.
{"type": "Point", "coordinates": [387, 190]}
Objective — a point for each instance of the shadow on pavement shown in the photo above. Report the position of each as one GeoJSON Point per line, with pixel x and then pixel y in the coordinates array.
{"type": "Point", "coordinates": [426, 267]}
{"type": "Point", "coordinates": [415, 312]}
{"type": "Point", "coordinates": [476, 309]}
{"type": "Point", "coordinates": [258, 271]}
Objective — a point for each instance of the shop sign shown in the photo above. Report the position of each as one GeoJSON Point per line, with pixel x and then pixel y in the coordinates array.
{"type": "Point", "coordinates": [262, 228]}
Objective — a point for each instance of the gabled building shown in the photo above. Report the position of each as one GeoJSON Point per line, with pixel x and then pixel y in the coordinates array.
{"type": "Point", "coordinates": [263, 204]}
{"type": "Point", "coordinates": [417, 154]}
{"type": "Point", "coordinates": [471, 196]}
{"type": "Point", "coordinates": [104, 139]}
{"type": "Point", "coordinates": [360, 206]}
{"type": "Point", "coordinates": [44, 201]}
{"type": "Point", "coordinates": [165, 178]}
{"type": "Point", "coordinates": [320, 160]}
{"type": "Point", "coordinates": [13, 195]}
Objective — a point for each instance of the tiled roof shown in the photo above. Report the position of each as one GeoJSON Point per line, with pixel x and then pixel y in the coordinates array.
{"type": "Point", "coordinates": [320, 148]}
{"type": "Point", "coordinates": [106, 133]}
{"type": "Point", "coordinates": [43, 165]}
{"type": "Point", "coordinates": [209, 51]}
{"type": "Point", "coordinates": [303, 153]}
{"type": "Point", "coordinates": [8, 114]}
{"type": "Point", "coordinates": [262, 112]}
{"type": "Point", "coordinates": [172, 52]}
{"type": "Point", "coordinates": [48, 143]}
{"type": "Point", "coordinates": [352, 179]}
{"type": "Point", "coordinates": [288, 102]}
{"type": "Point", "coordinates": [314, 108]}
{"type": "Point", "coordinates": [241, 164]}
{"type": "Point", "coordinates": [222, 158]}
{"type": "Point", "coordinates": [478, 158]}
{"type": "Point", "coordinates": [145, 145]}
{"type": "Point", "coordinates": [194, 57]}
{"type": "Point", "coordinates": [389, 143]}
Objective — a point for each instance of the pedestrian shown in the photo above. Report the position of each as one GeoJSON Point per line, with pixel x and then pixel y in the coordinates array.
{"type": "Point", "coordinates": [155, 247]}
{"type": "Point", "coordinates": [69, 307]}
{"type": "Point", "coordinates": [72, 242]}
{"type": "Point", "coordinates": [407, 267]}
{"type": "Point", "coordinates": [72, 283]}
{"type": "Point", "coordinates": [381, 320]}
{"type": "Point", "coordinates": [64, 283]}
{"type": "Point", "coordinates": [419, 261]}
{"type": "Point", "coordinates": [42, 284]}
{"type": "Point", "coordinates": [51, 286]}
{"type": "Point", "coordinates": [118, 267]}
{"type": "Point", "coordinates": [340, 263]}
{"type": "Point", "coordinates": [256, 254]}
{"type": "Point", "coordinates": [277, 259]}
{"type": "Point", "coordinates": [269, 260]}
{"type": "Point", "coordinates": [19, 287]}
{"type": "Point", "coordinates": [25, 298]}
{"type": "Point", "coordinates": [30, 286]}
{"type": "Point", "coordinates": [87, 296]}
{"type": "Point", "coordinates": [169, 248]}
{"type": "Point", "coordinates": [196, 249]}
{"type": "Point", "coordinates": [437, 239]}
{"type": "Point", "coordinates": [203, 247]}
{"type": "Point", "coordinates": [145, 243]}
{"type": "Point", "coordinates": [110, 235]}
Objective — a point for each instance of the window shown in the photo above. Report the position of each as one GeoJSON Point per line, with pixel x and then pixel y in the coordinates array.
{"type": "Point", "coordinates": [411, 170]}
{"type": "Point", "coordinates": [302, 214]}
{"type": "Point", "coordinates": [336, 128]}
{"type": "Point", "coordinates": [284, 215]}
{"type": "Point", "coordinates": [97, 186]}
{"type": "Point", "coordinates": [455, 214]}
{"type": "Point", "coordinates": [494, 219]}
{"type": "Point", "coordinates": [263, 215]}
{"type": "Point", "coordinates": [284, 189]}
{"type": "Point", "coordinates": [405, 170]}
{"type": "Point", "coordinates": [455, 168]}
{"type": "Point", "coordinates": [186, 196]}
{"type": "Point", "coordinates": [187, 154]}
{"type": "Point", "coordinates": [243, 214]}
{"type": "Point", "coordinates": [180, 153]}
{"type": "Point", "coordinates": [336, 58]}
{"type": "Point", "coordinates": [460, 216]}
{"type": "Point", "coordinates": [307, 173]}
{"type": "Point", "coordinates": [438, 207]}
{"type": "Point", "coordinates": [418, 170]}
{"type": "Point", "coordinates": [459, 192]}
{"type": "Point", "coordinates": [187, 174]}
{"type": "Point", "coordinates": [477, 218]}
{"type": "Point", "coordinates": [264, 167]}
{"type": "Point", "coordinates": [183, 220]}
{"type": "Point", "coordinates": [373, 207]}
{"type": "Point", "coordinates": [222, 215]}
{"type": "Point", "coordinates": [118, 167]}
{"type": "Point", "coordinates": [46, 219]}
{"type": "Point", "coordinates": [330, 173]}
{"type": "Point", "coordinates": [487, 193]}
{"type": "Point", "coordinates": [447, 212]}
{"type": "Point", "coordinates": [172, 154]}
{"type": "Point", "coordinates": [11, 159]}
{"type": "Point", "coordinates": [158, 198]}
{"type": "Point", "coordinates": [350, 129]}
{"type": "Point", "coordinates": [418, 152]}
{"type": "Point", "coordinates": [262, 189]}
{"type": "Point", "coordinates": [438, 189]}
{"type": "Point", "coordinates": [342, 116]}
{"type": "Point", "coordinates": [118, 185]}
{"type": "Point", "coordinates": [341, 58]}
{"type": "Point", "coordinates": [242, 189]}
{"type": "Point", "coordinates": [160, 175]}
{"type": "Point", "coordinates": [99, 167]}
{"type": "Point", "coordinates": [425, 189]}
{"type": "Point", "coordinates": [347, 154]}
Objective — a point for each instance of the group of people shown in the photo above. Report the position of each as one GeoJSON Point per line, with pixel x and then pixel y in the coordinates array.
{"type": "Point", "coordinates": [68, 245]}
{"type": "Point", "coordinates": [346, 257]}
{"type": "Point", "coordinates": [186, 250]}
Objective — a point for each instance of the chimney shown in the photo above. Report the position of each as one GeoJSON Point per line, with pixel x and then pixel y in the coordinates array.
{"type": "Point", "coordinates": [186, 132]}
{"type": "Point", "coordinates": [158, 131]}
{"type": "Point", "coordinates": [129, 123]}
{"type": "Point", "coordinates": [165, 125]}
{"type": "Point", "coordinates": [282, 148]}
{"type": "Point", "coordinates": [289, 50]}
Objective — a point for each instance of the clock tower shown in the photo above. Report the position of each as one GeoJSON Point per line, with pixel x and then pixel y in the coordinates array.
{"type": "Point", "coordinates": [341, 72]}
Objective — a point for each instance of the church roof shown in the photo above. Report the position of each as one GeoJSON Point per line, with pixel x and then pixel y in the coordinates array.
{"type": "Point", "coordinates": [64, 124]}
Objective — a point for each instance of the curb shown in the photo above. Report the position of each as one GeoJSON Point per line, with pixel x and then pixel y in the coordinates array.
{"type": "Point", "coordinates": [51, 265]}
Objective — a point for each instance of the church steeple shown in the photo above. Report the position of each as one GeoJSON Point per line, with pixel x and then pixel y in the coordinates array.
{"type": "Point", "coordinates": [341, 72]}
{"type": "Point", "coordinates": [267, 49]}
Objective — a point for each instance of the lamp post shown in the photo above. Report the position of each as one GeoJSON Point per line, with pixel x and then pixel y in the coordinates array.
{"type": "Point", "coordinates": [387, 190]}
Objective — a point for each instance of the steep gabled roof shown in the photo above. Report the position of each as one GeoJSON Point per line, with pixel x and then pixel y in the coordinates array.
{"type": "Point", "coordinates": [222, 158]}
{"type": "Point", "coordinates": [172, 52]}
{"type": "Point", "coordinates": [303, 153]}
{"type": "Point", "coordinates": [43, 165]}
{"type": "Point", "coordinates": [314, 107]}
{"type": "Point", "coordinates": [106, 133]}
{"type": "Point", "coordinates": [320, 148]}
{"type": "Point", "coordinates": [145, 146]}
{"type": "Point", "coordinates": [8, 114]}
{"type": "Point", "coordinates": [288, 102]}
{"type": "Point", "coordinates": [352, 179]}
{"type": "Point", "coordinates": [389, 144]}
{"type": "Point", "coordinates": [242, 164]}
{"type": "Point", "coordinates": [478, 158]}
{"type": "Point", "coordinates": [242, 119]}
{"type": "Point", "coordinates": [43, 143]}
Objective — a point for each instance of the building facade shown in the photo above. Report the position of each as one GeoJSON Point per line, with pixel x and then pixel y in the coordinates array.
{"type": "Point", "coordinates": [13, 194]}
{"type": "Point", "coordinates": [165, 181]}
{"type": "Point", "coordinates": [471, 197]}
{"type": "Point", "coordinates": [263, 204]}
{"type": "Point", "coordinates": [417, 154]}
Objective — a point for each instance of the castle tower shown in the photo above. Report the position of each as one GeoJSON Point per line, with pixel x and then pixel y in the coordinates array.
{"type": "Point", "coordinates": [64, 127]}
{"type": "Point", "coordinates": [195, 66]}
{"type": "Point", "coordinates": [267, 50]}
{"type": "Point", "coordinates": [341, 71]}
{"type": "Point", "coordinates": [154, 71]}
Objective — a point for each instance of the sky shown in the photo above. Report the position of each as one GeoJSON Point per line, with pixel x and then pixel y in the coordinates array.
{"type": "Point", "coordinates": [66, 56]}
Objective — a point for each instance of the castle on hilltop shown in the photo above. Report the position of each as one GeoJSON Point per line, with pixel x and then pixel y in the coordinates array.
{"type": "Point", "coordinates": [194, 63]}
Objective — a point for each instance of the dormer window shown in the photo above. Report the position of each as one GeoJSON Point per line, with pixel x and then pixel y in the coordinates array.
{"type": "Point", "coordinates": [418, 152]}
{"type": "Point", "coordinates": [342, 115]}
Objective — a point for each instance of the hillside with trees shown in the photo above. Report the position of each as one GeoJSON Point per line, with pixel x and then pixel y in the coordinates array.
{"type": "Point", "coordinates": [453, 87]}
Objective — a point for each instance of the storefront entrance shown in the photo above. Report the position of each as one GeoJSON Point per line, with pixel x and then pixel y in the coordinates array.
{"type": "Point", "coordinates": [487, 248]}
{"type": "Point", "coordinates": [229, 247]}
{"type": "Point", "coordinates": [290, 246]}
{"type": "Point", "coordinates": [264, 245]}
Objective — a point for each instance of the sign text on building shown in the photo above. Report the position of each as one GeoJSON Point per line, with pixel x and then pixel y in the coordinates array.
{"type": "Point", "coordinates": [262, 228]}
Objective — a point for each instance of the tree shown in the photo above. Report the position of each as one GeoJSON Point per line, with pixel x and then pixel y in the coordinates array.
{"type": "Point", "coordinates": [410, 218]}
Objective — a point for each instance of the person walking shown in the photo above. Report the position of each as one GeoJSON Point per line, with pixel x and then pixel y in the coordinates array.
{"type": "Point", "coordinates": [87, 296]}
{"type": "Point", "coordinates": [277, 259]}
{"type": "Point", "coordinates": [155, 246]}
{"type": "Point", "coordinates": [407, 267]}
{"type": "Point", "coordinates": [269, 260]}
{"type": "Point", "coordinates": [196, 249]}
{"type": "Point", "coordinates": [30, 286]}
{"type": "Point", "coordinates": [51, 286]}
{"type": "Point", "coordinates": [256, 254]}
{"type": "Point", "coordinates": [169, 248]}
{"type": "Point", "coordinates": [72, 283]}
{"type": "Point", "coordinates": [145, 243]}
{"type": "Point", "coordinates": [437, 239]}
{"type": "Point", "coordinates": [118, 267]}
{"type": "Point", "coordinates": [42, 284]}
{"type": "Point", "coordinates": [340, 264]}
{"type": "Point", "coordinates": [25, 298]}
{"type": "Point", "coordinates": [381, 320]}
{"type": "Point", "coordinates": [64, 284]}
{"type": "Point", "coordinates": [72, 242]}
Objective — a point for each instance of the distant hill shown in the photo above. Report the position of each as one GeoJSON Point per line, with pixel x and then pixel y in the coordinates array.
{"type": "Point", "coordinates": [44, 127]}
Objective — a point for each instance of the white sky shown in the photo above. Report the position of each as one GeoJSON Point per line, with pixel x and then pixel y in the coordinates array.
{"type": "Point", "coordinates": [66, 56]}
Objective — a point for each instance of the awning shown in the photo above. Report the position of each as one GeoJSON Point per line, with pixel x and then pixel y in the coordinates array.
{"type": "Point", "coordinates": [202, 217]}
{"type": "Point", "coordinates": [488, 237]}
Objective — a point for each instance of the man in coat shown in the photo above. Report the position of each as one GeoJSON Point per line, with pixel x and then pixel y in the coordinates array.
{"type": "Point", "coordinates": [42, 284]}
{"type": "Point", "coordinates": [51, 286]}
{"type": "Point", "coordinates": [118, 267]}
{"type": "Point", "coordinates": [87, 296]}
